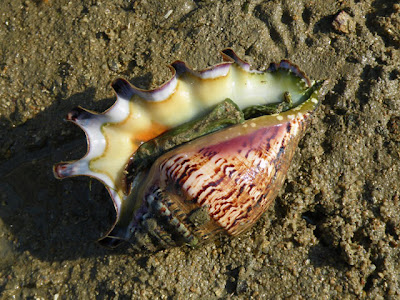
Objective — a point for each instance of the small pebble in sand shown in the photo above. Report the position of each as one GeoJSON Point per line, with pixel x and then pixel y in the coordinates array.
{"type": "Point", "coordinates": [343, 22]}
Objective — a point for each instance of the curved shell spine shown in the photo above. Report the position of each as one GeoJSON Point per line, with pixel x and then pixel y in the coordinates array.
{"type": "Point", "coordinates": [140, 115]}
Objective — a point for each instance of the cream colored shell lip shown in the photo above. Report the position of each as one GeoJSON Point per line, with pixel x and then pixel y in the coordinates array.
{"type": "Point", "coordinates": [139, 115]}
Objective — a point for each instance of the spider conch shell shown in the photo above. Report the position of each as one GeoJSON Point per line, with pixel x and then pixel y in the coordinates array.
{"type": "Point", "coordinates": [220, 181]}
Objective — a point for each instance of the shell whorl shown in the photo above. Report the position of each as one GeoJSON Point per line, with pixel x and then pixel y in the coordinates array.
{"type": "Point", "coordinates": [234, 175]}
{"type": "Point", "coordinates": [232, 178]}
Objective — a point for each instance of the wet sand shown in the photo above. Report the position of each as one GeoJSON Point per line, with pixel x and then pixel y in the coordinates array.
{"type": "Point", "coordinates": [334, 229]}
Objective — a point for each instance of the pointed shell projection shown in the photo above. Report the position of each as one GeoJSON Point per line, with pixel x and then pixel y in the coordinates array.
{"type": "Point", "coordinates": [202, 155]}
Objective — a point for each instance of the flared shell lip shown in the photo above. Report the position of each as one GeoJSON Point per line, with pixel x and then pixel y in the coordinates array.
{"type": "Point", "coordinates": [60, 167]}
{"type": "Point", "coordinates": [124, 90]}
{"type": "Point", "coordinates": [179, 68]}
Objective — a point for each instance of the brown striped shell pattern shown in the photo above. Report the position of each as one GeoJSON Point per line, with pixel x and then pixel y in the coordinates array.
{"type": "Point", "coordinates": [203, 155]}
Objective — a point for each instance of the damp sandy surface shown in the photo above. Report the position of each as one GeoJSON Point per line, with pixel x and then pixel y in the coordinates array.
{"type": "Point", "coordinates": [334, 229]}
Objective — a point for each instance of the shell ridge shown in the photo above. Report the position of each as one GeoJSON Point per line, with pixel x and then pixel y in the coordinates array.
{"type": "Point", "coordinates": [123, 88]}
{"type": "Point", "coordinates": [287, 65]}
{"type": "Point", "coordinates": [90, 123]}
{"type": "Point", "coordinates": [159, 94]}
{"type": "Point", "coordinates": [230, 55]}
{"type": "Point", "coordinates": [158, 200]}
